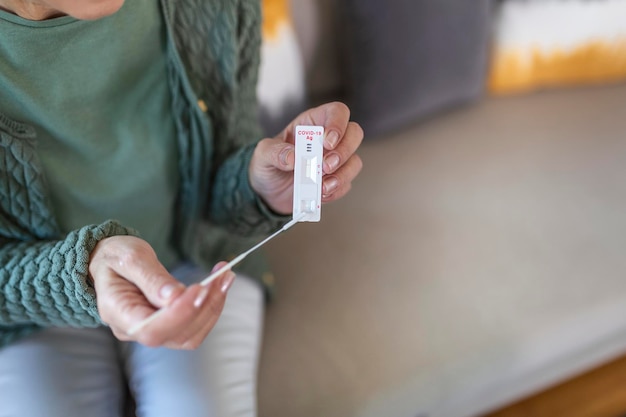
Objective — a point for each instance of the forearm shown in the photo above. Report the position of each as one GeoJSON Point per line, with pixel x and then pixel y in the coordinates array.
{"type": "Point", "coordinates": [45, 283]}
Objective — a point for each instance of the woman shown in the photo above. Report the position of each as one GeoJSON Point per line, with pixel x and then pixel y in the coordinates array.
{"type": "Point", "coordinates": [142, 112]}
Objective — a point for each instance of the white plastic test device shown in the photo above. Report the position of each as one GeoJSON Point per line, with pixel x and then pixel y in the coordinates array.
{"type": "Point", "coordinates": [307, 178]}
{"type": "Point", "coordinates": [307, 198]}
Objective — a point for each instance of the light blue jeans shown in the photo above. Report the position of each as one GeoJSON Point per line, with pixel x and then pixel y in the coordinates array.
{"type": "Point", "coordinates": [63, 372]}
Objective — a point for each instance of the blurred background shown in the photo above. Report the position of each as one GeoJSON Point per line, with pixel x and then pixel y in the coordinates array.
{"type": "Point", "coordinates": [477, 267]}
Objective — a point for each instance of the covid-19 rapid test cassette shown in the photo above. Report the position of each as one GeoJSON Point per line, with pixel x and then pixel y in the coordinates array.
{"type": "Point", "coordinates": [307, 180]}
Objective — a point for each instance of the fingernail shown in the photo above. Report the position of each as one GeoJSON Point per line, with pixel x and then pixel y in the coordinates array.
{"type": "Point", "coordinates": [284, 155]}
{"type": "Point", "coordinates": [330, 185]}
{"type": "Point", "coordinates": [202, 295]}
{"type": "Point", "coordinates": [168, 290]}
{"type": "Point", "coordinates": [332, 138]}
{"type": "Point", "coordinates": [227, 281]}
{"type": "Point", "coordinates": [331, 162]}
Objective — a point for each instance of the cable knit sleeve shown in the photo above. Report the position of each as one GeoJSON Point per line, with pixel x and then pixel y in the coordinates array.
{"type": "Point", "coordinates": [45, 283]}
{"type": "Point", "coordinates": [43, 273]}
{"type": "Point", "coordinates": [235, 205]}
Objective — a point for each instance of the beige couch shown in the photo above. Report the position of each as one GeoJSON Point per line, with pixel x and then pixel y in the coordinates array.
{"type": "Point", "coordinates": [478, 259]}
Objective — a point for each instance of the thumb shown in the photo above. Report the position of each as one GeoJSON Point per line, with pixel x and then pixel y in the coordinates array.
{"type": "Point", "coordinates": [133, 260]}
{"type": "Point", "coordinates": [276, 153]}
{"type": "Point", "coordinates": [156, 284]}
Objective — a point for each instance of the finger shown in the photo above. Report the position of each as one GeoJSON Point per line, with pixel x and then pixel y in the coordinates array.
{"type": "Point", "coordinates": [196, 340]}
{"type": "Point", "coordinates": [199, 338]}
{"type": "Point", "coordinates": [276, 153]}
{"type": "Point", "coordinates": [139, 265]}
{"type": "Point", "coordinates": [337, 118]}
{"type": "Point", "coordinates": [333, 116]}
{"type": "Point", "coordinates": [338, 194]}
{"type": "Point", "coordinates": [212, 310]}
{"type": "Point", "coordinates": [120, 301]}
{"type": "Point", "coordinates": [120, 334]}
{"type": "Point", "coordinates": [180, 321]}
{"type": "Point", "coordinates": [351, 141]}
{"type": "Point", "coordinates": [159, 287]}
{"type": "Point", "coordinates": [208, 312]}
{"type": "Point", "coordinates": [208, 304]}
{"type": "Point", "coordinates": [342, 177]}
{"type": "Point", "coordinates": [171, 321]}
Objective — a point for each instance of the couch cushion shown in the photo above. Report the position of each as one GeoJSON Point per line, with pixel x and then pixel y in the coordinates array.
{"type": "Point", "coordinates": [406, 61]}
{"type": "Point", "coordinates": [479, 257]}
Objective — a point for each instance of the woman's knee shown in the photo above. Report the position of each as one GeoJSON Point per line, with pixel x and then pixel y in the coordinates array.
{"type": "Point", "coordinates": [61, 372]}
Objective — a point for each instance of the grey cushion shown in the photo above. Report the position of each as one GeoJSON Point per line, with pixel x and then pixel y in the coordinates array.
{"type": "Point", "coordinates": [406, 59]}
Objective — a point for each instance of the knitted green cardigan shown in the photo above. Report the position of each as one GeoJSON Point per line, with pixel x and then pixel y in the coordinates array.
{"type": "Point", "coordinates": [213, 59]}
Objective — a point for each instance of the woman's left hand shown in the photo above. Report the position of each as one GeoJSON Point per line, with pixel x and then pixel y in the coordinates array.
{"type": "Point", "coordinates": [271, 168]}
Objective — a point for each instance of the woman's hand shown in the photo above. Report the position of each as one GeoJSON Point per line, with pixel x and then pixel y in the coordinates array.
{"type": "Point", "coordinates": [271, 168]}
{"type": "Point", "coordinates": [131, 285]}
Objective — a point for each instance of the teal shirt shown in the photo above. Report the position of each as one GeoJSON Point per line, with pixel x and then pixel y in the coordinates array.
{"type": "Point", "coordinates": [97, 95]}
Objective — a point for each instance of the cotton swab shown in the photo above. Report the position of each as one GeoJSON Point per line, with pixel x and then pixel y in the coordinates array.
{"type": "Point", "coordinates": [133, 330]}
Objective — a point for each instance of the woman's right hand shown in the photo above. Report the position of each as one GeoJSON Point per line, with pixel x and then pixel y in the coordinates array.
{"type": "Point", "coordinates": [131, 284]}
